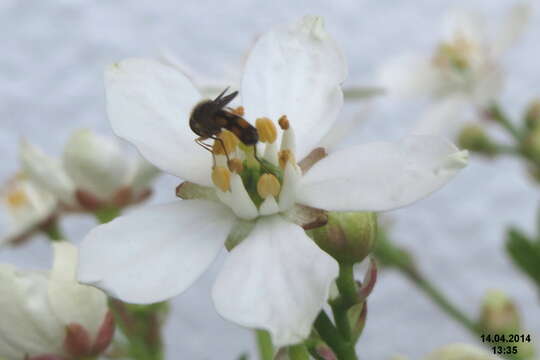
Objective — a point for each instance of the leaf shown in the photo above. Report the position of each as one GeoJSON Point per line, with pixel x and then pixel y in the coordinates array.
{"type": "Point", "coordinates": [525, 253]}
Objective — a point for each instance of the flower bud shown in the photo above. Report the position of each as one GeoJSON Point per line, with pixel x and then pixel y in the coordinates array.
{"type": "Point", "coordinates": [24, 208]}
{"type": "Point", "coordinates": [531, 144]}
{"type": "Point", "coordinates": [49, 315]}
{"type": "Point", "coordinates": [499, 314]}
{"type": "Point", "coordinates": [95, 163]}
{"type": "Point", "coordinates": [474, 138]}
{"type": "Point", "coordinates": [532, 115]}
{"type": "Point", "coordinates": [348, 236]}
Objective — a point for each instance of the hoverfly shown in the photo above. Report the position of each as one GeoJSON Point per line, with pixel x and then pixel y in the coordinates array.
{"type": "Point", "coordinates": [209, 117]}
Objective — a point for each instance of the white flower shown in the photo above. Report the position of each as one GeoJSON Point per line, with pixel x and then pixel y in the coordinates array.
{"type": "Point", "coordinates": [465, 69]}
{"type": "Point", "coordinates": [93, 171]}
{"type": "Point", "coordinates": [276, 278]}
{"type": "Point", "coordinates": [49, 313]}
{"type": "Point", "coordinates": [25, 207]}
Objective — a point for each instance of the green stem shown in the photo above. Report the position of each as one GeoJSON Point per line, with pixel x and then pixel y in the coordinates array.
{"type": "Point", "coordinates": [142, 325]}
{"type": "Point", "coordinates": [264, 344]}
{"type": "Point", "coordinates": [495, 113]}
{"type": "Point", "coordinates": [328, 332]}
{"type": "Point", "coordinates": [298, 352]}
{"type": "Point", "coordinates": [348, 297]}
{"type": "Point", "coordinates": [346, 285]}
{"type": "Point", "coordinates": [53, 231]}
{"type": "Point", "coordinates": [361, 93]}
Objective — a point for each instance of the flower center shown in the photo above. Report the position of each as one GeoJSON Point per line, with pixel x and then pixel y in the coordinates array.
{"type": "Point", "coordinates": [457, 54]}
{"type": "Point", "coordinates": [16, 198]}
{"type": "Point", "coordinates": [255, 175]}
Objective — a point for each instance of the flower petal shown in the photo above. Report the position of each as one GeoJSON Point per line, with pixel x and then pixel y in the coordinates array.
{"type": "Point", "coordinates": [149, 104]}
{"type": "Point", "coordinates": [24, 206]}
{"type": "Point", "coordinates": [466, 24]}
{"type": "Point", "coordinates": [512, 28]}
{"type": "Point", "coordinates": [70, 301]}
{"type": "Point", "coordinates": [276, 279]}
{"type": "Point", "coordinates": [27, 323]}
{"type": "Point", "coordinates": [410, 76]}
{"type": "Point", "coordinates": [296, 70]}
{"type": "Point", "coordinates": [381, 175]}
{"type": "Point", "coordinates": [47, 172]}
{"type": "Point", "coordinates": [95, 163]}
{"type": "Point", "coordinates": [444, 117]}
{"type": "Point", "coordinates": [142, 174]}
{"type": "Point", "coordinates": [155, 252]}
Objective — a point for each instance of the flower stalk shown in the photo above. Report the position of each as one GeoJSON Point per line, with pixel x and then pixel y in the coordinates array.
{"type": "Point", "coordinates": [53, 231]}
{"type": "Point", "coordinates": [264, 345]}
{"type": "Point", "coordinates": [329, 333]}
{"type": "Point", "coordinates": [298, 352]}
{"type": "Point", "coordinates": [348, 297]}
{"type": "Point", "coordinates": [142, 327]}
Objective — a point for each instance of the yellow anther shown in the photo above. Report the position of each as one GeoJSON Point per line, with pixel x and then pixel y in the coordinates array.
{"type": "Point", "coordinates": [238, 111]}
{"type": "Point", "coordinates": [229, 140]}
{"type": "Point", "coordinates": [236, 165]}
{"type": "Point", "coordinates": [266, 129]}
{"type": "Point", "coordinates": [268, 185]}
{"type": "Point", "coordinates": [17, 198]}
{"type": "Point", "coordinates": [283, 122]}
{"type": "Point", "coordinates": [284, 157]}
{"type": "Point", "coordinates": [221, 177]}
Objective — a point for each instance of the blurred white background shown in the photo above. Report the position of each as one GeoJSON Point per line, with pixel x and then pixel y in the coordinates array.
{"type": "Point", "coordinates": [53, 55]}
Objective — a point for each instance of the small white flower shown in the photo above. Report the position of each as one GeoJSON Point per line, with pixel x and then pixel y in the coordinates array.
{"type": "Point", "coordinates": [25, 207]}
{"type": "Point", "coordinates": [465, 69]}
{"type": "Point", "coordinates": [276, 278]}
{"type": "Point", "coordinates": [49, 313]}
{"type": "Point", "coordinates": [93, 170]}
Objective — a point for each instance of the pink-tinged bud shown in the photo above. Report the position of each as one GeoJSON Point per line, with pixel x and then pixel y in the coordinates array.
{"type": "Point", "coordinates": [499, 314]}
{"type": "Point", "coordinates": [88, 201]}
{"type": "Point", "coordinates": [105, 334]}
{"type": "Point", "coordinates": [77, 342]}
{"type": "Point", "coordinates": [123, 197]}
{"type": "Point", "coordinates": [370, 279]}
{"type": "Point", "coordinates": [325, 352]}
{"type": "Point", "coordinates": [348, 236]}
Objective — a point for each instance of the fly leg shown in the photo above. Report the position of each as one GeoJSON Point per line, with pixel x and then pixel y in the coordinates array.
{"type": "Point", "coordinates": [208, 147]}
{"type": "Point", "coordinates": [223, 147]}
{"type": "Point", "coordinates": [259, 160]}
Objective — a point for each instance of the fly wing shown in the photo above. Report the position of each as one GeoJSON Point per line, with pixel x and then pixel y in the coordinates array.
{"type": "Point", "coordinates": [221, 101]}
